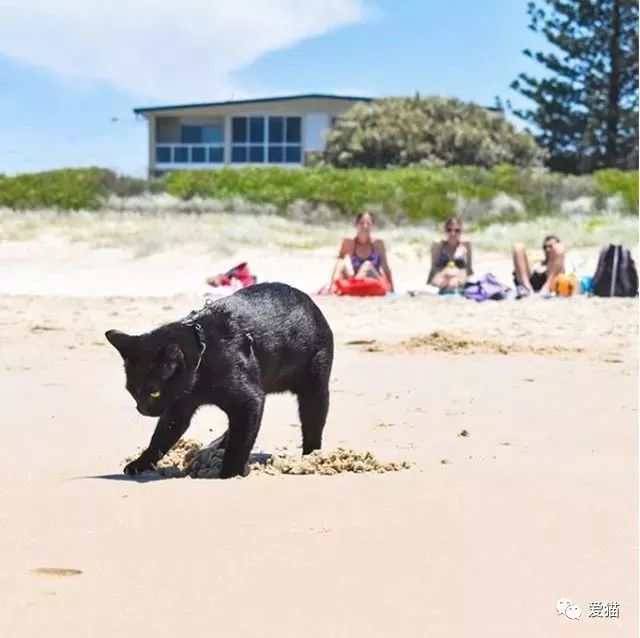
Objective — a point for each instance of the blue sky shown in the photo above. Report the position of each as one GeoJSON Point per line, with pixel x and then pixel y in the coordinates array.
{"type": "Point", "coordinates": [71, 73]}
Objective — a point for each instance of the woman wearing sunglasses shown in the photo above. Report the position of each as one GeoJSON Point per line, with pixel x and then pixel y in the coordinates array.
{"type": "Point", "coordinates": [450, 258]}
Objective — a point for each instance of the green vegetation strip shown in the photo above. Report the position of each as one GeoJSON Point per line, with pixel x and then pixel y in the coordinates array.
{"type": "Point", "coordinates": [411, 193]}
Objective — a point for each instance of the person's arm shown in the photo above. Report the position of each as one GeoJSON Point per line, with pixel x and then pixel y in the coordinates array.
{"type": "Point", "coordinates": [344, 251]}
{"type": "Point", "coordinates": [384, 263]}
{"type": "Point", "coordinates": [469, 264]}
{"type": "Point", "coordinates": [435, 254]}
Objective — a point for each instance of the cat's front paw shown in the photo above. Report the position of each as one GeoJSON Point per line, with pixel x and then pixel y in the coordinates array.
{"type": "Point", "coordinates": [141, 464]}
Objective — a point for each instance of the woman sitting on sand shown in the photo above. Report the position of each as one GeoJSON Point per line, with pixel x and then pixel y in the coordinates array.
{"type": "Point", "coordinates": [450, 258]}
{"type": "Point", "coordinates": [362, 256]}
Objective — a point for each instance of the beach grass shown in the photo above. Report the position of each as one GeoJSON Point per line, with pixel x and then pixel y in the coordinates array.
{"type": "Point", "coordinates": [225, 233]}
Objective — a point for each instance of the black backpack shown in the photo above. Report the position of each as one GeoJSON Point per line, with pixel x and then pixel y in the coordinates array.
{"type": "Point", "coordinates": [616, 274]}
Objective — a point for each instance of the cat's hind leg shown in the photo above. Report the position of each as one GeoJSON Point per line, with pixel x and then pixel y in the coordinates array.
{"type": "Point", "coordinates": [313, 401]}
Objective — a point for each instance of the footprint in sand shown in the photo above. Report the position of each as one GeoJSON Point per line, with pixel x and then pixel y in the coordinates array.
{"type": "Point", "coordinates": [56, 571]}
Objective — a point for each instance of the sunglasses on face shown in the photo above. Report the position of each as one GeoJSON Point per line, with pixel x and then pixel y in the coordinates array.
{"type": "Point", "coordinates": [547, 247]}
{"type": "Point", "coordinates": [453, 230]}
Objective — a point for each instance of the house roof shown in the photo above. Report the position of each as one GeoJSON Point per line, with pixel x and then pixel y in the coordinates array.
{"type": "Point", "coordinates": [308, 96]}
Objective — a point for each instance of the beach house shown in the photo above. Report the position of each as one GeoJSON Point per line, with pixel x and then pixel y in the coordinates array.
{"type": "Point", "coordinates": [273, 131]}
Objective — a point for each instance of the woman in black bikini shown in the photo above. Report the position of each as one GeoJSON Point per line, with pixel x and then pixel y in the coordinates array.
{"type": "Point", "coordinates": [362, 256]}
{"type": "Point", "coordinates": [450, 258]}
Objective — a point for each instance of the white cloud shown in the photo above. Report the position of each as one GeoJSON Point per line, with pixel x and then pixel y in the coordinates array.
{"type": "Point", "coordinates": [174, 50]}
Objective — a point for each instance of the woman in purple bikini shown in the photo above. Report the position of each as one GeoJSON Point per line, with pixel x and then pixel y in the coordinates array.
{"type": "Point", "coordinates": [362, 256]}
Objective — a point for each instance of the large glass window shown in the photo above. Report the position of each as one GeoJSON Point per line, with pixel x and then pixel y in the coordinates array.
{"type": "Point", "coordinates": [271, 139]}
{"type": "Point", "coordinates": [216, 154]}
{"type": "Point", "coordinates": [181, 154]}
{"type": "Point", "coordinates": [190, 134]}
{"type": "Point", "coordinates": [293, 130]}
{"type": "Point", "coordinates": [163, 154]}
{"type": "Point", "coordinates": [199, 144]}
{"type": "Point", "coordinates": [239, 153]}
{"type": "Point", "coordinates": [256, 130]}
{"type": "Point", "coordinates": [238, 130]}
{"type": "Point", "coordinates": [248, 139]}
{"type": "Point", "coordinates": [292, 154]}
{"type": "Point", "coordinates": [198, 154]}
{"type": "Point", "coordinates": [213, 133]}
{"type": "Point", "coordinates": [285, 136]}
{"type": "Point", "coordinates": [256, 153]}
{"type": "Point", "coordinates": [276, 155]}
{"type": "Point", "coordinates": [276, 130]}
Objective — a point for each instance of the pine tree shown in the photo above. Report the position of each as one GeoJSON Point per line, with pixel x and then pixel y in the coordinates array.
{"type": "Point", "coordinates": [586, 109]}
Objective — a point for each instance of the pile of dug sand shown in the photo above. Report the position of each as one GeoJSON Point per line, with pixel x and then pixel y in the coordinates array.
{"type": "Point", "coordinates": [188, 457]}
{"type": "Point", "coordinates": [336, 462]}
{"type": "Point", "coordinates": [178, 461]}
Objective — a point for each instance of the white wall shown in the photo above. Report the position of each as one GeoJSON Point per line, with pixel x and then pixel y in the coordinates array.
{"type": "Point", "coordinates": [315, 127]}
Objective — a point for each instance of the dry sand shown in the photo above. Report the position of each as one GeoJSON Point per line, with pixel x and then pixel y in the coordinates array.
{"type": "Point", "coordinates": [539, 499]}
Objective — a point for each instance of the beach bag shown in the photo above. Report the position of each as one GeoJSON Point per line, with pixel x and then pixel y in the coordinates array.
{"type": "Point", "coordinates": [616, 274]}
{"type": "Point", "coordinates": [367, 287]}
{"type": "Point", "coordinates": [487, 287]}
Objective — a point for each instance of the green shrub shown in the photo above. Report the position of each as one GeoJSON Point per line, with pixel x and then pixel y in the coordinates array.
{"type": "Point", "coordinates": [69, 188]}
{"type": "Point", "coordinates": [432, 131]}
{"type": "Point", "coordinates": [616, 182]}
{"type": "Point", "coordinates": [410, 193]}
{"type": "Point", "coordinates": [64, 189]}
{"type": "Point", "coordinates": [123, 186]}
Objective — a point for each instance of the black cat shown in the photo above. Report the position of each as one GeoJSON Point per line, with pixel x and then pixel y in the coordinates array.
{"type": "Point", "coordinates": [263, 339]}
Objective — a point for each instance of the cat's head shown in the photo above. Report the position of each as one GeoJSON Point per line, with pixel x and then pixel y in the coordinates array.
{"type": "Point", "coordinates": [156, 371]}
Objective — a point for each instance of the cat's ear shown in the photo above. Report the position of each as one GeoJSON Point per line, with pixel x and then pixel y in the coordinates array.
{"type": "Point", "coordinates": [173, 358]}
{"type": "Point", "coordinates": [122, 342]}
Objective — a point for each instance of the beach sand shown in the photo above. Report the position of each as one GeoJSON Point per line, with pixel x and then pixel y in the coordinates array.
{"type": "Point", "coordinates": [479, 538]}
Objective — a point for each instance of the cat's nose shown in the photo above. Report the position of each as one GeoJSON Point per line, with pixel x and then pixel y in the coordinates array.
{"type": "Point", "coordinates": [141, 409]}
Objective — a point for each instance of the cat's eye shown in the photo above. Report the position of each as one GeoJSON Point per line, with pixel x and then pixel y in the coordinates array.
{"type": "Point", "coordinates": [155, 395]}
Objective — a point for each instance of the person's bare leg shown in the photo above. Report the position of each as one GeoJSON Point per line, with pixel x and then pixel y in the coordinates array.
{"type": "Point", "coordinates": [342, 270]}
{"type": "Point", "coordinates": [555, 266]}
{"type": "Point", "coordinates": [450, 284]}
{"type": "Point", "coordinates": [447, 280]}
{"type": "Point", "coordinates": [457, 280]}
{"type": "Point", "coordinates": [439, 280]}
{"type": "Point", "coordinates": [521, 266]}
